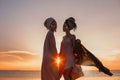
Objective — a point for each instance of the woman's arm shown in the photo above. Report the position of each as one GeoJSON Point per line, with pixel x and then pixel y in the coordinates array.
{"type": "Point", "coordinates": [73, 40]}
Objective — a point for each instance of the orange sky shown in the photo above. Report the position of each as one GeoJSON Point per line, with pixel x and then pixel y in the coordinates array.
{"type": "Point", "coordinates": [22, 29]}
{"type": "Point", "coordinates": [20, 60]}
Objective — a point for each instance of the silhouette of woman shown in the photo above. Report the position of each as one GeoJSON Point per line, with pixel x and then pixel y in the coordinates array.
{"type": "Point", "coordinates": [74, 54]}
{"type": "Point", "coordinates": [66, 51]}
{"type": "Point", "coordinates": [49, 71]}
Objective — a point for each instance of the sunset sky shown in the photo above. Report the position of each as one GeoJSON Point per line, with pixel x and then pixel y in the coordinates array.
{"type": "Point", "coordinates": [22, 32]}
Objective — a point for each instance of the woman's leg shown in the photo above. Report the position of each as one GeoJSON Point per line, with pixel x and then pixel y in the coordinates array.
{"type": "Point", "coordinates": [67, 73]}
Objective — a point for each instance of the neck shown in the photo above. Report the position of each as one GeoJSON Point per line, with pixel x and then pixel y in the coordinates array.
{"type": "Point", "coordinates": [51, 30]}
{"type": "Point", "coordinates": [68, 33]}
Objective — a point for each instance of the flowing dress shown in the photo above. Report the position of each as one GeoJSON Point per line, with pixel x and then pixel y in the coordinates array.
{"type": "Point", "coordinates": [49, 70]}
{"type": "Point", "coordinates": [67, 52]}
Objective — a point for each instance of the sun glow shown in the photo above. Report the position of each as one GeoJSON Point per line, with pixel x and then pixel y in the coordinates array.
{"type": "Point", "coordinates": [58, 61]}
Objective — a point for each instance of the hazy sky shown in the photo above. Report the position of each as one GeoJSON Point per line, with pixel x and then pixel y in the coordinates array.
{"type": "Point", "coordinates": [98, 21]}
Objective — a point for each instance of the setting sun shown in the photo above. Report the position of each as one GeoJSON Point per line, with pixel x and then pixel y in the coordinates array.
{"type": "Point", "coordinates": [58, 60]}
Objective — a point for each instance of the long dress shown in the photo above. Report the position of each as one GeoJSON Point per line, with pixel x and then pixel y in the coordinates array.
{"type": "Point", "coordinates": [49, 70]}
{"type": "Point", "coordinates": [67, 56]}
{"type": "Point", "coordinates": [67, 52]}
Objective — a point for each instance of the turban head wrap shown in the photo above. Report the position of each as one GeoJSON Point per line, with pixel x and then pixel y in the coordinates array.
{"type": "Point", "coordinates": [48, 22]}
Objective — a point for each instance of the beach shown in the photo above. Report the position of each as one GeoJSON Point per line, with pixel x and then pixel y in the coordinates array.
{"type": "Point", "coordinates": [82, 78]}
{"type": "Point", "coordinates": [35, 75]}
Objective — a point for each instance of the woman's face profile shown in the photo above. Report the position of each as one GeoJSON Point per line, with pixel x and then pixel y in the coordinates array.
{"type": "Point", "coordinates": [65, 27]}
{"type": "Point", "coordinates": [53, 26]}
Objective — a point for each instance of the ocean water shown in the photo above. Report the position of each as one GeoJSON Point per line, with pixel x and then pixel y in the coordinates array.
{"type": "Point", "coordinates": [35, 75]}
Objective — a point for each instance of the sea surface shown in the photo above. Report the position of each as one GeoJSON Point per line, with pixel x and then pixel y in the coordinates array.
{"type": "Point", "coordinates": [35, 75]}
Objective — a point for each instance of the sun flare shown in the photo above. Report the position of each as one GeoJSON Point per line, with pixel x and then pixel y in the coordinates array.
{"type": "Point", "coordinates": [58, 61]}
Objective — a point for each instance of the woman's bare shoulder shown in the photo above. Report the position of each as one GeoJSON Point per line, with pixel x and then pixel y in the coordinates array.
{"type": "Point", "coordinates": [63, 37]}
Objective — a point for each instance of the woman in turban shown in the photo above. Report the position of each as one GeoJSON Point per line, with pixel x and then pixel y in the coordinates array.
{"type": "Point", "coordinates": [49, 71]}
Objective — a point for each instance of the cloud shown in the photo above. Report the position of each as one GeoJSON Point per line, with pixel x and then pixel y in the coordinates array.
{"type": "Point", "coordinates": [17, 56]}
{"type": "Point", "coordinates": [19, 60]}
